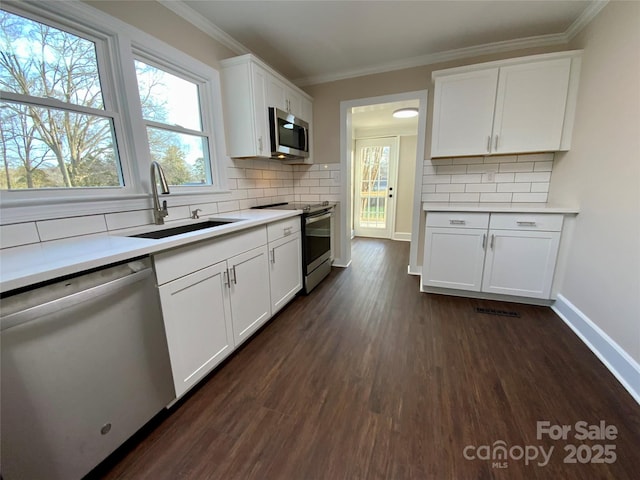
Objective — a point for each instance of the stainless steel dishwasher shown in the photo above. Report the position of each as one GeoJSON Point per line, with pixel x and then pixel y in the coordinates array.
{"type": "Point", "coordinates": [84, 365]}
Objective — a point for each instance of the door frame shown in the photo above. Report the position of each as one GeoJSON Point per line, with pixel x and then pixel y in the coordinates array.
{"type": "Point", "coordinates": [391, 182]}
{"type": "Point", "coordinates": [346, 186]}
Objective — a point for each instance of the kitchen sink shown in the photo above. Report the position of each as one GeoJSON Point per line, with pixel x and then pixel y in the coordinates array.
{"type": "Point", "coordinates": [192, 227]}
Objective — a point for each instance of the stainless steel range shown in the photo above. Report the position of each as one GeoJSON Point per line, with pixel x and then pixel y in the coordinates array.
{"type": "Point", "coordinates": [316, 239]}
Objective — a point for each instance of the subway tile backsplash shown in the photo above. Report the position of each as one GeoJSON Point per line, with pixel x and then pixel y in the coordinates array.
{"type": "Point", "coordinates": [250, 183]}
{"type": "Point", "coordinates": [506, 178]}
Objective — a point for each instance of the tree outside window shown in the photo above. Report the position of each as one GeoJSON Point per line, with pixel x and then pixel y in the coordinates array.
{"type": "Point", "coordinates": [56, 132]}
{"type": "Point", "coordinates": [172, 115]}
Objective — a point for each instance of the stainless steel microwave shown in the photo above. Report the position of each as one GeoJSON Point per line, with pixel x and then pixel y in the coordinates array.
{"type": "Point", "coordinates": [289, 135]}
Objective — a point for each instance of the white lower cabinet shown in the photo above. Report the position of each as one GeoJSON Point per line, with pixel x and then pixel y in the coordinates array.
{"type": "Point", "coordinates": [520, 263]}
{"type": "Point", "coordinates": [249, 292]}
{"type": "Point", "coordinates": [508, 254]}
{"type": "Point", "coordinates": [285, 270]}
{"type": "Point", "coordinates": [216, 293]}
{"type": "Point", "coordinates": [454, 258]}
{"type": "Point", "coordinates": [197, 319]}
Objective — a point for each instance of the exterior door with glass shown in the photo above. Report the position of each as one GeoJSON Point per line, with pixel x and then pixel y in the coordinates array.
{"type": "Point", "coordinates": [375, 187]}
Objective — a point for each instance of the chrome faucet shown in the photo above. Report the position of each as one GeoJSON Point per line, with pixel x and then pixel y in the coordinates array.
{"type": "Point", "coordinates": [159, 212]}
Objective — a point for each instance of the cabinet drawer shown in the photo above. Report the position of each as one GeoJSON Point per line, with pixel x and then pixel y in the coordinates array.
{"type": "Point", "coordinates": [181, 261]}
{"type": "Point", "coordinates": [547, 222]}
{"type": "Point", "coordinates": [283, 228]}
{"type": "Point", "coordinates": [457, 219]}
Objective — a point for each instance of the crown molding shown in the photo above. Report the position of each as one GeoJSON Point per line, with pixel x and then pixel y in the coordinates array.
{"type": "Point", "coordinates": [585, 18]}
{"type": "Point", "coordinates": [440, 57]}
{"type": "Point", "coordinates": [183, 10]}
{"type": "Point", "coordinates": [197, 20]}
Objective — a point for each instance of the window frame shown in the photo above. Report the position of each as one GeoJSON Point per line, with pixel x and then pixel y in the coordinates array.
{"type": "Point", "coordinates": [117, 45]}
{"type": "Point", "coordinates": [111, 110]}
{"type": "Point", "coordinates": [205, 97]}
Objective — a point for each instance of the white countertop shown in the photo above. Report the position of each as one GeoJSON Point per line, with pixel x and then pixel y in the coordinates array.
{"type": "Point", "coordinates": [31, 264]}
{"type": "Point", "coordinates": [499, 208]}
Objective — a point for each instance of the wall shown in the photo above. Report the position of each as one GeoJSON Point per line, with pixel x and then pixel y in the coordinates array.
{"type": "Point", "coordinates": [404, 195]}
{"type": "Point", "coordinates": [499, 178]}
{"type": "Point", "coordinates": [251, 182]}
{"type": "Point", "coordinates": [162, 23]}
{"type": "Point", "coordinates": [601, 173]}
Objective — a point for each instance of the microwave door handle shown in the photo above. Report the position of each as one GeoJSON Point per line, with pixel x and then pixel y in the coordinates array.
{"type": "Point", "coordinates": [306, 139]}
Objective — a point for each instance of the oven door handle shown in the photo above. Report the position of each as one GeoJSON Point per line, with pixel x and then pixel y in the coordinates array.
{"type": "Point", "coordinates": [317, 218]}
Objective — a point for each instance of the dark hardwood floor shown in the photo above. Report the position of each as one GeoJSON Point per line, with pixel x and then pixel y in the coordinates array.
{"type": "Point", "coordinates": [367, 378]}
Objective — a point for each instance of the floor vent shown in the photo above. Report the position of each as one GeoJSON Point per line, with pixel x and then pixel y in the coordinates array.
{"type": "Point", "coordinates": [501, 313]}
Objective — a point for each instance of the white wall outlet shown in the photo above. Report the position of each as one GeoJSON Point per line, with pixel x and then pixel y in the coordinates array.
{"type": "Point", "coordinates": [491, 176]}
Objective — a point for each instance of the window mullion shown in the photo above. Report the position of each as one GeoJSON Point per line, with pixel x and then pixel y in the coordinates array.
{"type": "Point", "coordinates": [57, 104]}
{"type": "Point", "coordinates": [176, 128]}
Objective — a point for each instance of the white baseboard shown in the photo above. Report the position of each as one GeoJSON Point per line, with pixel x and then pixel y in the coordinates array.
{"type": "Point", "coordinates": [401, 236]}
{"type": "Point", "coordinates": [619, 362]}
{"type": "Point", "coordinates": [338, 262]}
{"type": "Point", "coordinates": [415, 270]}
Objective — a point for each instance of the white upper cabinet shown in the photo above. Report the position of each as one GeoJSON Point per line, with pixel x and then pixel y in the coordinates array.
{"type": "Point", "coordinates": [249, 88]}
{"type": "Point", "coordinates": [245, 110]}
{"type": "Point", "coordinates": [284, 97]}
{"type": "Point", "coordinates": [530, 106]}
{"type": "Point", "coordinates": [463, 113]}
{"type": "Point", "coordinates": [276, 94]}
{"type": "Point", "coordinates": [514, 106]}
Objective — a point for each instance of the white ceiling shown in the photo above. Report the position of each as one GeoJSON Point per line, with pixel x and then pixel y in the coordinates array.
{"type": "Point", "coordinates": [380, 116]}
{"type": "Point", "coordinates": [316, 41]}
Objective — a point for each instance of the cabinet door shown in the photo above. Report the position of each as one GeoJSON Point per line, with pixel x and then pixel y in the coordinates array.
{"type": "Point", "coordinates": [250, 295]}
{"type": "Point", "coordinates": [285, 270]}
{"type": "Point", "coordinates": [520, 263]}
{"type": "Point", "coordinates": [294, 103]}
{"type": "Point", "coordinates": [463, 113]}
{"type": "Point", "coordinates": [306, 111]}
{"type": "Point", "coordinates": [530, 106]}
{"type": "Point", "coordinates": [453, 258]}
{"type": "Point", "coordinates": [261, 116]}
{"type": "Point", "coordinates": [276, 93]}
{"type": "Point", "coordinates": [197, 322]}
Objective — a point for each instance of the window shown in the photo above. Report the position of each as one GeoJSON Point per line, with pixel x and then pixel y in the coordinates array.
{"type": "Point", "coordinates": [57, 131]}
{"type": "Point", "coordinates": [87, 102]}
{"type": "Point", "coordinates": [172, 117]}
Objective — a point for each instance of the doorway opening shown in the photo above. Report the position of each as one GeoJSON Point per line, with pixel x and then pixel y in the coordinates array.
{"type": "Point", "coordinates": [383, 169]}
{"type": "Point", "coordinates": [406, 195]}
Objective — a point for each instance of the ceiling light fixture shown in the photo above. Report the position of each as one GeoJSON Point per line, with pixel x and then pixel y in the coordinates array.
{"type": "Point", "coordinates": [406, 112]}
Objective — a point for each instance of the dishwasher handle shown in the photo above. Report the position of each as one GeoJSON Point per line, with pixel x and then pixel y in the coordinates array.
{"type": "Point", "coordinates": [39, 311]}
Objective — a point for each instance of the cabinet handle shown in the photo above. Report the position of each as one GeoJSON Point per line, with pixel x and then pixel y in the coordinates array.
{"type": "Point", "coordinates": [287, 231]}
{"type": "Point", "coordinates": [526, 223]}
{"type": "Point", "coordinates": [235, 277]}
{"type": "Point", "coordinates": [457, 222]}
{"type": "Point", "coordinates": [260, 144]}
{"type": "Point", "coordinates": [484, 241]}
{"type": "Point", "coordinates": [489, 143]}
{"type": "Point", "coordinates": [493, 240]}
{"type": "Point", "coordinates": [496, 144]}
{"type": "Point", "coordinates": [225, 277]}
{"type": "Point", "coordinates": [273, 255]}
